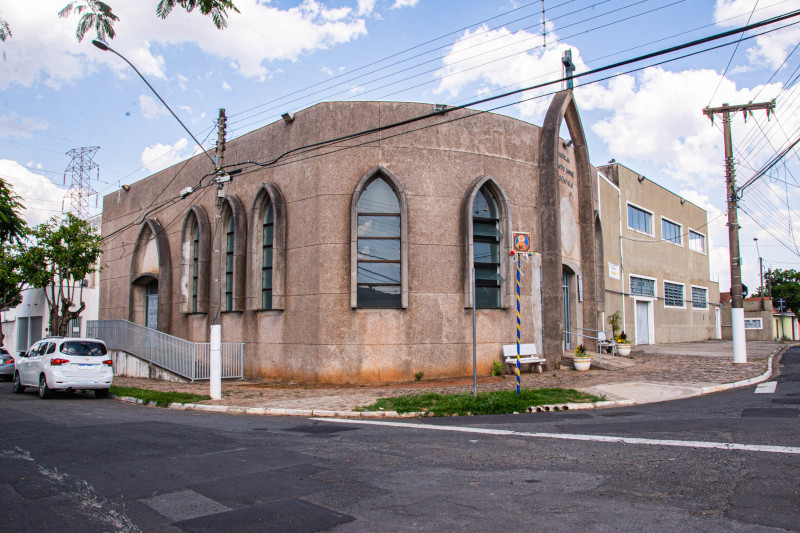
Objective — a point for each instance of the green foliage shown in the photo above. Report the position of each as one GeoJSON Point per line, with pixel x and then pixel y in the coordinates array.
{"type": "Point", "coordinates": [622, 338]}
{"type": "Point", "coordinates": [5, 30]}
{"type": "Point", "coordinates": [160, 398]}
{"type": "Point", "coordinates": [786, 284]}
{"type": "Point", "coordinates": [94, 14]}
{"type": "Point", "coordinates": [418, 376]}
{"type": "Point", "coordinates": [12, 226]}
{"type": "Point", "coordinates": [487, 403]}
{"type": "Point", "coordinates": [216, 8]}
{"type": "Point", "coordinates": [614, 321]}
{"type": "Point", "coordinates": [580, 351]}
{"type": "Point", "coordinates": [60, 256]}
{"type": "Point", "coordinates": [497, 368]}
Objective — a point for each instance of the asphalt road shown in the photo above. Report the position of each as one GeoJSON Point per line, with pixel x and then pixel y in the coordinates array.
{"type": "Point", "coordinates": [76, 463]}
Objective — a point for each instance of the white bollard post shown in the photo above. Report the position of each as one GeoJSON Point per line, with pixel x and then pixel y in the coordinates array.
{"type": "Point", "coordinates": [739, 342]}
{"type": "Point", "coordinates": [215, 365]}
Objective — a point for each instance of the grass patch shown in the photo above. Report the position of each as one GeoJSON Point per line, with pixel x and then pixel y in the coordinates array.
{"type": "Point", "coordinates": [487, 403]}
{"type": "Point", "coordinates": [161, 399]}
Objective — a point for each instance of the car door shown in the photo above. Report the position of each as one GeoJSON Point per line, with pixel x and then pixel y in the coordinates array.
{"type": "Point", "coordinates": [26, 363]}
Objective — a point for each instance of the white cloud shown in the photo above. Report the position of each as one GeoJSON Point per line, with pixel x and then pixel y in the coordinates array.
{"type": "Point", "coordinates": [365, 7]}
{"type": "Point", "coordinates": [327, 71]}
{"type": "Point", "coordinates": [398, 4]}
{"type": "Point", "coordinates": [42, 198]}
{"type": "Point", "coordinates": [13, 125]}
{"type": "Point", "coordinates": [159, 156]}
{"type": "Point", "coordinates": [44, 48]}
{"type": "Point", "coordinates": [226, 86]}
{"type": "Point", "coordinates": [151, 108]}
{"type": "Point", "coordinates": [769, 49]}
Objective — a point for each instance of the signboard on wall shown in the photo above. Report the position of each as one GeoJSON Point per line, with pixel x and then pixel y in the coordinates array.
{"type": "Point", "coordinates": [613, 271]}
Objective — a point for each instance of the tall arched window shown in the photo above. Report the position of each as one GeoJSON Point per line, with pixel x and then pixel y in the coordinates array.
{"type": "Point", "coordinates": [486, 237]}
{"type": "Point", "coordinates": [195, 252]}
{"type": "Point", "coordinates": [195, 265]}
{"type": "Point", "coordinates": [229, 240]}
{"type": "Point", "coordinates": [379, 274]}
{"type": "Point", "coordinates": [266, 258]}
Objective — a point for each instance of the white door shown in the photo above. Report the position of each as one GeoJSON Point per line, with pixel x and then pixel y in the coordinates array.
{"type": "Point", "coordinates": [642, 322]}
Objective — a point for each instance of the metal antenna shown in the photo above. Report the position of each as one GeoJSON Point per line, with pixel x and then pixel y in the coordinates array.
{"type": "Point", "coordinates": [80, 189]}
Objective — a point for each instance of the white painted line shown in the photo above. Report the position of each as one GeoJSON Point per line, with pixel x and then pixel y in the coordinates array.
{"type": "Point", "coordinates": [766, 388]}
{"type": "Point", "coordinates": [573, 436]}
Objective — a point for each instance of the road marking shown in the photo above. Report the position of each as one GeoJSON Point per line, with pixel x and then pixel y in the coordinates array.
{"type": "Point", "coordinates": [574, 436]}
{"type": "Point", "coordinates": [766, 388]}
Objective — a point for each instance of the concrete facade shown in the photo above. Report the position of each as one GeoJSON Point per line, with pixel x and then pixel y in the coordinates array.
{"type": "Point", "coordinates": [655, 271]}
{"type": "Point", "coordinates": [199, 260]}
{"type": "Point", "coordinates": [762, 321]}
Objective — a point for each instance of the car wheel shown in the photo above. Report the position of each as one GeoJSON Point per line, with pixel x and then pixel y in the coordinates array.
{"type": "Point", "coordinates": [101, 393]}
{"type": "Point", "coordinates": [16, 386]}
{"type": "Point", "coordinates": [44, 390]}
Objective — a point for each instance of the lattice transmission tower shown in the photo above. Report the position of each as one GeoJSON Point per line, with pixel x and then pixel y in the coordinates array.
{"type": "Point", "coordinates": [79, 170]}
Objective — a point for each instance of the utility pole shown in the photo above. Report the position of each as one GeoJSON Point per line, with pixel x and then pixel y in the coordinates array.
{"type": "Point", "coordinates": [215, 338]}
{"type": "Point", "coordinates": [737, 300]}
{"type": "Point", "coordinates": [761, 273]}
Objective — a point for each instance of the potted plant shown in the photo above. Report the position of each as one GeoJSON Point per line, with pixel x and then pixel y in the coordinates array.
{"type": "Point", "coordinates": [582, 360]}
{"type": "Point", "coordinates": [623, 344]}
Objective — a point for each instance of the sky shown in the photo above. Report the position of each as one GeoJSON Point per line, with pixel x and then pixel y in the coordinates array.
{"type": "Point", "coordinates": [58, 94]}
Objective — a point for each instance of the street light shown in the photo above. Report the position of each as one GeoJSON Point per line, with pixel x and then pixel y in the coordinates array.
{"type": "Point", "coordinates": [102, 45]}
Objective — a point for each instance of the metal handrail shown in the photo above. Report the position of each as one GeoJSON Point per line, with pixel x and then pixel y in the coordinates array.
{"type": "Point", "coordinates": [187, 359]}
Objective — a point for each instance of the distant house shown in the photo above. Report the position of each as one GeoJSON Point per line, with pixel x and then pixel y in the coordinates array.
{"type": "Point", "coordinates": [762, 321]}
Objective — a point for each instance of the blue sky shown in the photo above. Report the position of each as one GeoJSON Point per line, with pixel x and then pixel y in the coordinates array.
{"type": "Point", "coordinates": [57, 94]}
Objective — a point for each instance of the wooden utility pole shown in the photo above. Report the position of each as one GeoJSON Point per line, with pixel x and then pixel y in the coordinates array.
{"type": "Point", "coordinates": [737, 299]}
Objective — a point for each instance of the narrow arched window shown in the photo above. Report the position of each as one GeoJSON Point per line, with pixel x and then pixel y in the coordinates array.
{"type": "Point", "coordinates": [195, 265]}
{"type": "Point", "coordinates": [266, 257]}
{"type": "Point", "coordinates": [486, 236]}
{"type": "Point", "coordinates": [379, 246]}
{"type": "Point", "coordinates": [229, 265]}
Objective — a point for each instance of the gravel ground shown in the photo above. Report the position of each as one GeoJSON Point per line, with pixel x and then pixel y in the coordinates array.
{"type": "Point", "coordinates": [695, 364]}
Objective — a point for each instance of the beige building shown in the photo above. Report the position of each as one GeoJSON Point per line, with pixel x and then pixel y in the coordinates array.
{"type": "Point", "coordinates": [352, 261]}
{"type": "Point", "coordinates": [656, 268]}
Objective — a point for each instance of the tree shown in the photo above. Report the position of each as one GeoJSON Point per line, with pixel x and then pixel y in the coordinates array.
{"type": "Point", "coordinates": [12, 225]}
{"type": "Point", "coordinates": [99, 15]}
{"type": "Point", "coordinates": [786, 284]}
{"type": "Point", "coordinates": [60, 256]}
{"type": "Point", "coordinates": [12, 230]}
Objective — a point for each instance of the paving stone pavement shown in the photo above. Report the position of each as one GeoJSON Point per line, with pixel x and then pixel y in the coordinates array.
{"type": "Point", "coordinates": [682, 365]}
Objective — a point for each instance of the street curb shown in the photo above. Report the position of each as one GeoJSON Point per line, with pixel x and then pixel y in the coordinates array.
{"type": "Point", "coordinates": [327, 413]}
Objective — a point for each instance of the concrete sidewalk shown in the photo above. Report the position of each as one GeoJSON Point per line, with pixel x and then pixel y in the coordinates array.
{"type": "Point", "coordinates": [654, 373]}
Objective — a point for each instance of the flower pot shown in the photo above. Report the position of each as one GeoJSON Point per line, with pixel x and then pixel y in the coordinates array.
{"type": "Point", "coordinates": [623, 349]}
{"type": "Point", "coordinates": [582, 364]}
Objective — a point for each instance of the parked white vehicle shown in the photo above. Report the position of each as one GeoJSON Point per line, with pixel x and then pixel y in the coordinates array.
{"type": "Point", "coordinates": [65, 364]}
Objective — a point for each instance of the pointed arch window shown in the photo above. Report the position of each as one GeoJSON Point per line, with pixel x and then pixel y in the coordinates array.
{"type": "Point", "coordinates": [378, 242]}
{"type": "Point", "coordinates": [229, 242]}
{"type": "Point", "coordinates": [267, 226]}
{"type": "Point", "coordinates": [195, 266]}
{"type": "Point", "coordinates": [486, 239]}
{"type": "Point", "coordinates": [379, 276]}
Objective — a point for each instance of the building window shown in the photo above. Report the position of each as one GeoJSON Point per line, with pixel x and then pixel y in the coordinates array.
{"type": "Point", "coordinates": [640, 220]}
{"type": "Point", "coordinates": [671, 232]}
{"type": "Point", "coordinates": [643, 286]}
{"type": "Point", "coordinates": [195, 265]}
{"type": "Point", "coordinates": [673, 294]}
{"type": "Point", "coordinates": [486, 237]}
{"type": "Point", "coordinates": [699, 298]}
{"type": "Point", "coordinates": [266, 257]}
{"type": "Point", "coordinates": [379, 246]}
{"type": "Point", "coordinates": [753, 323]}
{"type": "Point", "coordinates": [229, 264]}
{"type": "Point", "coordinates": [29, 331]}
{"type": "Point", "coordinates": [697, 242]}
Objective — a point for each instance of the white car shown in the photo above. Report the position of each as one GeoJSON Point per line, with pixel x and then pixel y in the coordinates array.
{"type": "Point", "coordinates": [65, 364]}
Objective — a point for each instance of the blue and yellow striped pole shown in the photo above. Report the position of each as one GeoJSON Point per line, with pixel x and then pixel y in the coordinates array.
{"type": "Point", "coordinates": [519, 322]}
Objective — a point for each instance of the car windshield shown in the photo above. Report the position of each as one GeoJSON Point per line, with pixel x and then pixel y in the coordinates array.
{"type": "Point", "coordinates": [83, 348]}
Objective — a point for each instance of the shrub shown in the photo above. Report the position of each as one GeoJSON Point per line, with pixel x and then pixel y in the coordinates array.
{"type": "Point", "coordinates": [497, 368]}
